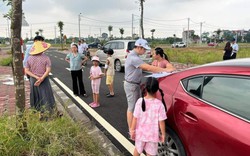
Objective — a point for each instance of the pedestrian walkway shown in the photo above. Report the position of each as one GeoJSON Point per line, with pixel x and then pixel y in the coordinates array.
{"type": "Point", "coordinates": [7, 92]}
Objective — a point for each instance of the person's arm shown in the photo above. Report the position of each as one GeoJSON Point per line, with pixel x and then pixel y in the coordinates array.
{"type": "Point", "coordinates": [154, 69]}
{"type": "Point", "coordinates": [27, 71]}
{"type": "Point", "coordinates": [163, 130]}
{"type": "Point", "coordinates": [132, 128]}
{"type": "Point", "coordinates": [67, 58]}
{"type": "Point", "coordinates": [40, 79]}
{"type": "Point", "coordinates": [85, 58]}
{"type": "Point", "coordinates": [106, 67]}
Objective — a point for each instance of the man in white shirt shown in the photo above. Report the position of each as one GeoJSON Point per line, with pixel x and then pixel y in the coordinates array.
{"type": "Point", "coordinates": [235, 48]}
{"type": "Point", "coordinates": [84, 47]}
{"type": "Point", "coordinates": [80, 47]}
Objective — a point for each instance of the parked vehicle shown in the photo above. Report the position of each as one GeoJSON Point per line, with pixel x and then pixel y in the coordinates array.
{"type": "Point", "coordinates": [211, 44]}
{"type": "Point", "coordinates": [179, 45]}
{"type": "Point", "coordinates": [94, 45]}
{"type": "Point", "coordinates": [208, 110]}
{"type": "Point", "coordinates": [121, 49]}
{"type": "Point", "coordinates": [29, 44]}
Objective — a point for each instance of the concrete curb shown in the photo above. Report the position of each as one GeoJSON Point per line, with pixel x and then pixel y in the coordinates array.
{"type": "Point", "coordinates": [65, 104]}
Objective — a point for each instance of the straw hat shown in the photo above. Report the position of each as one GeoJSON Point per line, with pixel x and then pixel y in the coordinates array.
{"type": "Point", "coordinates": [39, 47]}
{"type": "Point", "coordinates": [95, 58]}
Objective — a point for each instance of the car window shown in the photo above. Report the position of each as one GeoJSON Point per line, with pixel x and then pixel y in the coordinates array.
{"type": "Point", "coordinates": [107, 46]}
{"type": "Point", "coordinates": [229, 93]}
{"type": "Point", "coordinates": [131, 45]}
{"type": "Point", "coordinates": [114, 45]}
{"type": "Point", "coordinates": [194, 86]}
{"type": "Point", "coordinates": [120, 45]}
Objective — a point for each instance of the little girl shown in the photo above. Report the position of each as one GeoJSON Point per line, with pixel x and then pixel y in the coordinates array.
{"type": "Point", "coordinates": [95, 77]}
{"type": "Point", "coordinates": [148, 118]}
{"type": "Point", "coordinates": [110, 72]}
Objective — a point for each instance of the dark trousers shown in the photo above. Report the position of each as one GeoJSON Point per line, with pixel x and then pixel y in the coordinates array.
{"type": "Point", "coordinates": [234, 56]}
{"type": "Point", "coordinates": [77, 80]}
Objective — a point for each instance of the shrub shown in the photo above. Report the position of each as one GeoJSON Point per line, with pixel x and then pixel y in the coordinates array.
{"type": "Point", "coordinates": [6, 61]}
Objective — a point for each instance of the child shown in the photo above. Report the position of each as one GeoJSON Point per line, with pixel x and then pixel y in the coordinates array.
{"type": "Point", "coordinates": [95, 77]}
{"type": "Point", "coordinates": [148, 118]}
{"type": "Point", "coordinates": [110, 72]}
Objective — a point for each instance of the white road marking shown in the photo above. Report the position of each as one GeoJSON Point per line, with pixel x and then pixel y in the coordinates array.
{"type": "Point", "coordinates": [62, 59]}
{"type": "Point", "coordinates": [117, 135]}
{"type": "Point", "coordinates": [67, 69]}
{"type": "Point", "coordinates": [55, 56]}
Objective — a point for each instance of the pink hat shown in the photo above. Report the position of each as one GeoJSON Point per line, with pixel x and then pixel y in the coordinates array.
{"type": "Point", "coordinates": [95, 58]}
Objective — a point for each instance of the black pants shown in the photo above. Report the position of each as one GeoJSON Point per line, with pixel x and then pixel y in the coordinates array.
{"type": "Point", "coordinates": [234, 56]}
{"type": "Point", "coordinates": [77, 80]}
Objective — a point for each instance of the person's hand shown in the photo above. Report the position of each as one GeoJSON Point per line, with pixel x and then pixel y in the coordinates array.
{"type": "Point", "coordinates": [132, 134]}
{"type": "Point", "coordinates": [38, 82]}
{"type": "Point", "coordinates": [162, 138]}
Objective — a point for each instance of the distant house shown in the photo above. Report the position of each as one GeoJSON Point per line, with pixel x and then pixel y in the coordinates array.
{"type": "Point", "coordinates": [187, 36]}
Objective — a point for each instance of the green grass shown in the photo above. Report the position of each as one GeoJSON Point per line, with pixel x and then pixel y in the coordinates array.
{"type": "Point", "coordinates": [202, 55]}
{"type": "Point", "coordinates": [60, 136]}
{"type": "Point", "coordinates": [6, 61]}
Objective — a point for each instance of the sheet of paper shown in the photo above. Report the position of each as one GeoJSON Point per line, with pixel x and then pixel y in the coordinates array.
{"type": "Point", "coordinates": [158, 75]}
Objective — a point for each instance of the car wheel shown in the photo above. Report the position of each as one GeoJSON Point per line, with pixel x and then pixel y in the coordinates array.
{"type": "Point", "coordinates": [118, 66]}
{"type": "Point", "coordinates": [172, 145]}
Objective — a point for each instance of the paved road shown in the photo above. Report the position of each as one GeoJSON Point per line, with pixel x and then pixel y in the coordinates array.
{"type": "Point", "coordinates": [113, 110]}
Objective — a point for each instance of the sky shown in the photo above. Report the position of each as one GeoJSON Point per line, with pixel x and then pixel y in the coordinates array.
{"type": "Point", "coordinates": [167, 17]}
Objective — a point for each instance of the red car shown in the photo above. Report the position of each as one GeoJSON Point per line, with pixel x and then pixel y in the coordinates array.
{"type": "Point", "coordinates": [212, 44]}
{"type": "Point", "coordinates": [208, 110]}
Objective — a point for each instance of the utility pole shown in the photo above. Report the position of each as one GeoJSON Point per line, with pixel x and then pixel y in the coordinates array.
{"type": "Point", "coordinates": [79, 19]}
{"type": "Point", "coordinates": [188, 33]}
{"type": "Point", "coordinates": [31, 31]}
{"type": "Point", "coordinates": [55, 34]}
{"type": "Point", "coordinates": [100, 32]}
{"type": "Point", "coordinates": [132, 26]}
{"type": "Point", "coordinates": [201, 32]}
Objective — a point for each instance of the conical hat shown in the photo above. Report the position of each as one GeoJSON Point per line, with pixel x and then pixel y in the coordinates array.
{"type": "Point", "coordinates": [39, 47]}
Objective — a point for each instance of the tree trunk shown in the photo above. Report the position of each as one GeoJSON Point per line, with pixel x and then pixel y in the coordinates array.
{"type": "Point", "coordinates": [18, 72]}
{"type": "Point", "coordinates": [141, 21]}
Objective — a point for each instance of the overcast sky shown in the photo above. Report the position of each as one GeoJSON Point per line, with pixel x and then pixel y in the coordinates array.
{"type": "Point", "coordinates": [167, 17]}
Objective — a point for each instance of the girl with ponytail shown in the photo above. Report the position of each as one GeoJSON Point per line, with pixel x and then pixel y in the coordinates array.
{"type": "Point", "coordinates": [160, 58]}
{"type": "Point", "coordinates": [148, 118]}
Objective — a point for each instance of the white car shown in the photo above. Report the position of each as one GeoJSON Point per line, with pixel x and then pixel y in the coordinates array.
{"type": "Point", "coordinates": [179, 45]}
{"type": "Point", "coordinates": [121, 49]}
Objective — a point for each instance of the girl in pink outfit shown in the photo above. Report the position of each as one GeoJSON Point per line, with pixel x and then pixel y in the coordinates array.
{"type": "Point", "coordinates": [148, 119]}
{"type": "Point", "coordinates": [95, 77]}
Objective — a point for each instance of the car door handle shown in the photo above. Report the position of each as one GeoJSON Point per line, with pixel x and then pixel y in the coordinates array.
{"type": "Point", "coordinates": [189, 116]}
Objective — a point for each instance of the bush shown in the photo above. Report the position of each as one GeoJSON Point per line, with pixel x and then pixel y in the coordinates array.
{"type": "Point", "coordinates": [60, 136]}
{"type": "Point", "coordinates": [6, 61]}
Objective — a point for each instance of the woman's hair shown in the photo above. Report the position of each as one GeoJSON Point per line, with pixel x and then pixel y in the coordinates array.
{"type": "Point", "coordinates": [228, 47]}
{"type": "Point", "coordinates": [75, 45]}
{"type": "Point", "coordinates": [152, 86]}
{"type": "Point", "coordinates": [159, 51]}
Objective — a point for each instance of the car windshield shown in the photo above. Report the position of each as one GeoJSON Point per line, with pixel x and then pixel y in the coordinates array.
{"type": "Point", "coordinates": [131, 45]}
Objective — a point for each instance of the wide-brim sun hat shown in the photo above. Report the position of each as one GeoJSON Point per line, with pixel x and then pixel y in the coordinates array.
{"type": "Point", "coordinates": [39, 47]}
{"type": "Point", "coordinates": [95, 58]}
{"type": "Point", "coordinates": [142, 43]}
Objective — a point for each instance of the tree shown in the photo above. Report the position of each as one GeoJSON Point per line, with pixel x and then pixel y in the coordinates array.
{"type": "Point", "coordinates": [152, 31]}
{"type": "Point", "coordinates": [141, 21]}
{"type": "Point", "coordinates": [41, 31]}
{"type": "Point", "coordinates": [16, 22]}
{"type": "Point", "coordinates": [110, 28]}
{"type": "Point", "coordinates": [121, 32]}
{"type": "Point", "coordinates": [60, 25]}
{"type": "Point", "coordinates": [37, 33]}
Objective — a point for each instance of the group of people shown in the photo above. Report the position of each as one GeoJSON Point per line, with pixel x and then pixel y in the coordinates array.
{"type": "Point", "coordinates": [141, 106]}
{"type": "Point", "coordinates": [76, 59]}
{"type": "Point", "coordinates": [230, 50]}
{"type": "Point", "coordinates": [146, 114]}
